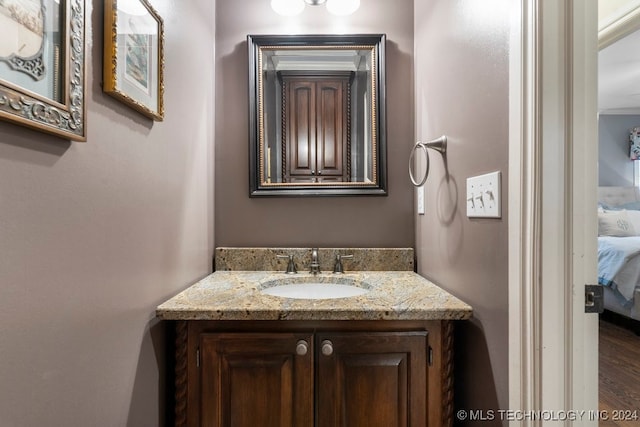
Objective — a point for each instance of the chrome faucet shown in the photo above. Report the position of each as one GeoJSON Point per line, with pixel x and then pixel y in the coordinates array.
{"type": "Point", "coordinates": [338, 268]}
{"type": "Point", "coordinates": [315, 265]}
{"type": "Point", "coordinates": [291, 265]}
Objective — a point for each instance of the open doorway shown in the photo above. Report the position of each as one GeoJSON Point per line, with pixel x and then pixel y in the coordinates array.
{"type": "Point", "coordinates": [619, 203]}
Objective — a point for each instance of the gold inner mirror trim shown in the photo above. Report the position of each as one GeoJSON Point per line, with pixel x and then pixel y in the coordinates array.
{"type": "Point", "coordinates": [374, 135]}
{"type": "Point", "coordinates": [324, 184]}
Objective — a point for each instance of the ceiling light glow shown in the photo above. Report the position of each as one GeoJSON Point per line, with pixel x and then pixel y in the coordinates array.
{"type": "Point", "coordinates": [295, 7]}
{"type": "Point", "coordinates": [132, 7]}
{"type": "Point", "coordinates": [342, 7]}
{"type": "Point", "coordinates": [288, 7]}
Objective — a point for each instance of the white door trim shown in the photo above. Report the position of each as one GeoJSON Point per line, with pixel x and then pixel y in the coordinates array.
{"type": "Point", "coordinates": [524, 210]}
{"type": "Point", "coordinates": [624, 24]}
{"type": "Point", "coordinates": [552, 225]}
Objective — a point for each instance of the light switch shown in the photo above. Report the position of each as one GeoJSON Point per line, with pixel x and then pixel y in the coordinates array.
{"type": "Point", "coordinates": [483, 196]}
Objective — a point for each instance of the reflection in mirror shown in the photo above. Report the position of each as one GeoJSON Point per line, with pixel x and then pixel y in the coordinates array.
{"type": "Point", "coordinates": [317, 119]}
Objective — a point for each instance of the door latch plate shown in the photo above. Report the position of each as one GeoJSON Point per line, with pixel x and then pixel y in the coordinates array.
{"type": "Point", "coordinates": [593, 299]}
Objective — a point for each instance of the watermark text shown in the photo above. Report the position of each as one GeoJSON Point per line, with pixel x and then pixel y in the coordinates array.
{"type": "Point", "coordinates": [551, 415]}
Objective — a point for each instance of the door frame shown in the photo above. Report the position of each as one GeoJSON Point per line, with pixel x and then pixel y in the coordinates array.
{"type": "Point", "coordinates": [552, 208]}
{"type": "Point", "coordinates": [624, 21]}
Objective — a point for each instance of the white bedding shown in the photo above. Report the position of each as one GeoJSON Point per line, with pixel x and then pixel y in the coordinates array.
{"type": "Point", "coordinates": [619, 264]}
{"type": "Point", "coordinates": [619, 257]}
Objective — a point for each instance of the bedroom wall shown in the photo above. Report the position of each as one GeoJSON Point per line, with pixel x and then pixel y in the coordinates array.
{"type": "Point", "coordinates": [614, 166]}
{"type": "Point", "coordinates": [93, 236]}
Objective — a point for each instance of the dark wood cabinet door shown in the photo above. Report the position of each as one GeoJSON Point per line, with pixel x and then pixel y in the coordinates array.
{"type": "Point", "coordinates": [372, 379]}
{"type": "Point", "coordinates": [256, 379]}
{"type": "Point", "coordinates": [301, 120]}
{"type": "Point", "coordinates": [316, 127]}
{"type": "Point", "coordinates": [331, 127]}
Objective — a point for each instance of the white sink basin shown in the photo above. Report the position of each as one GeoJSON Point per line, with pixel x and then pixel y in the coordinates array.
{"type": "Point", "coordinates": [314, 290]}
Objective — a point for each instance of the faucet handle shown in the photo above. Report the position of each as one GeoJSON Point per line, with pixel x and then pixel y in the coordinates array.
{"type": "Point", "coordinates": [315, 262]}
{"type": "Point", "coordinates": [338, 268]}
{"type": "Point", "coordinates": [291, 266]}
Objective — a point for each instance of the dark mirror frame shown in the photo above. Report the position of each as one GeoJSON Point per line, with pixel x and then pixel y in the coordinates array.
{"type": "Point", "coordinates": [256, 186]}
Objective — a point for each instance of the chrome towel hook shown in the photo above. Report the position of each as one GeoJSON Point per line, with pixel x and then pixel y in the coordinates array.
{"type": "Point", "coordinates": [439, 145]}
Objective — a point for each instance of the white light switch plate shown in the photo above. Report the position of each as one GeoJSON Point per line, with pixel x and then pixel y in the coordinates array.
{"type": "Point", "coordinates": [420, 199]}
{"type": "Point", "coordinates": [483, 196]}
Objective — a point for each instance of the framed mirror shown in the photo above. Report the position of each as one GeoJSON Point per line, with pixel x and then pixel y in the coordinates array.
{"type": "Point", "coordinates": [317, 115]}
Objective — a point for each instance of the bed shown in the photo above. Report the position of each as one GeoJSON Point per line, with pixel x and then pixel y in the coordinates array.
{"type": "Point", "coordinates": [619, 249]}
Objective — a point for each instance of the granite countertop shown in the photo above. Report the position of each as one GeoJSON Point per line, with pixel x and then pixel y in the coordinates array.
{"type": "Point", "coordinates": [236, 295]}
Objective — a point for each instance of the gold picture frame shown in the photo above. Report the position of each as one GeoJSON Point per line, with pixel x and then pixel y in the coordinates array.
{"type": "Point", "coordinates": [133, 67]}
{"type": "Point", "coordinates": [42, 66]}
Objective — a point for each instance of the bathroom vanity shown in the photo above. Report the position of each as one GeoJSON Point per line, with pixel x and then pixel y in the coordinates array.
{"type": "Point", "coordinates": [245, 357]}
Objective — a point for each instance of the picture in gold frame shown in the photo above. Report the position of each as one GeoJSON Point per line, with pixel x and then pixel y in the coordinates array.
{"type": "Point", "coordinates": [134, 56]}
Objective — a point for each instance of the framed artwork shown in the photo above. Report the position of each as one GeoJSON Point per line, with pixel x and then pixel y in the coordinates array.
{"type": "Point", "coordinates": [134, 55]}
{"type": "Point", "coordinates": [42, 65]}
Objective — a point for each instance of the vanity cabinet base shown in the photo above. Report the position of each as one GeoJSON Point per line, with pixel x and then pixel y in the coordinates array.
{"type": "Point", "coordinates": [314, 373]}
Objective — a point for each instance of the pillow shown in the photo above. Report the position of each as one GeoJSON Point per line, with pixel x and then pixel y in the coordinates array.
{"type": "Point", "coordinates": [634, 219]}
{"type": "Point", "coordinates": [608, 207]}
{"type": "Point", "coordinates": [630, 206]}
{"type": "Point", "coordinates": [615, 223]}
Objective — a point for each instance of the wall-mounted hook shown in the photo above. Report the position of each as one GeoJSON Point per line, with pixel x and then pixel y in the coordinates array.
{"type": "Point", "coordinates": [440, 145]}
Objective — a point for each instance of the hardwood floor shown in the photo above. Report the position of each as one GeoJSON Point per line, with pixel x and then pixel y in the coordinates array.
{"type": "Point", "coordinates": [619, 372]}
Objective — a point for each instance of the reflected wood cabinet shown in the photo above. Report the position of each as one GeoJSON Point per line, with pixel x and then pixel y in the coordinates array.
{"type": "Point", "coordinates": [305, 374]}
{"type": "Point", "coordinates": [316, 126]}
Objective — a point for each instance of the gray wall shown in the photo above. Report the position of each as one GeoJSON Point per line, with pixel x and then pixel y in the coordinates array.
{"type": "Point", "coordinates": [461, 57]}
{"type": "Point", "coordinates": [95, 235]}
{"type": "Point", "coordinates": [614, 166]}
{"type": "Point", "coordinates": [345, 221]}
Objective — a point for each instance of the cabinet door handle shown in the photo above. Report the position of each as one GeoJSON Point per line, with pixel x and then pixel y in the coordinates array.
{"type": "Point", "coordinates": [302, 348]}
{"type": "Point", "coordinates": [327, 347]}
